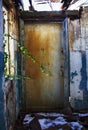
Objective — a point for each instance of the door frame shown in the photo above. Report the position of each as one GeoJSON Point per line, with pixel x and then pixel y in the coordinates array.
{"type": "Point", "coordinates": [57, 17]}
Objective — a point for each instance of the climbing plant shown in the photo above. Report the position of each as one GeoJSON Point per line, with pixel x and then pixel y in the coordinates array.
{"type": "Point", "coordinates": [25, 52]}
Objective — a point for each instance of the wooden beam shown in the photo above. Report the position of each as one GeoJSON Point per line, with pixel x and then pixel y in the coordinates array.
{"type": "Point", "coordinates": [49, 16]}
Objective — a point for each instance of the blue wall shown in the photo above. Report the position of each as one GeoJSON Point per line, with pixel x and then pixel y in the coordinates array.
{"type": "Point", "coordinates": [2, 117]}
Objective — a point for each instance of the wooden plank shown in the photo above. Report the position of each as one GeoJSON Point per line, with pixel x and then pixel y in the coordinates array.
{"type": "Point", "coordinates": [22, 65]}
{"type": "Point", "coordinates": [66, 63]}
{"type": "Point", "coordinates": [49, 16]}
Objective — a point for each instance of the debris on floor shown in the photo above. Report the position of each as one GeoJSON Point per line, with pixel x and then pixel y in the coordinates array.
{"type": "Point", "coordinates": [53, 121]}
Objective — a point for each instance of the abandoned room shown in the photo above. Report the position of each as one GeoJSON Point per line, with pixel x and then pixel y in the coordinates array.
{"type": "Point", "coordinates": [43, 64]}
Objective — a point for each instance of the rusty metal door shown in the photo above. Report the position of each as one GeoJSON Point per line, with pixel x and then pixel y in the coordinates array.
{"type": "Point", "coordinates": [45, 91]}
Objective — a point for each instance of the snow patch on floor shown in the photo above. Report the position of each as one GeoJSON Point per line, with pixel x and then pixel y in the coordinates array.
{"type": "Point", "coordinates": [83, 115]}
{"type": "Point", "coordinates": [45, 120]}
{"type": "Point", "coordinates": [75, 126]}
{"type": "Point", "coordinates": [27, 119]}
{"type": "Point", "coordinates": [46, 123]}
{"type": "Point", "coordinates": [50, 114]}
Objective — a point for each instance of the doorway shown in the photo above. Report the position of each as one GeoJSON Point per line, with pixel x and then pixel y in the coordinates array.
{"type": "Point", "coordinates": [45, 90]}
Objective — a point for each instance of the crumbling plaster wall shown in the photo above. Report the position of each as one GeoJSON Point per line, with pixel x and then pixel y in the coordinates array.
{"type": "Point", "coordinates": [9, 104]}
{"type": "Point", "coordinates": [78, 56]}
{"type": "Point", "coordinates": [10, 85]}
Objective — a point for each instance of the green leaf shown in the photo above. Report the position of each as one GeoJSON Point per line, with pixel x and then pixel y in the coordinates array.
{"type": "Point", "coordinates": [42, 68]}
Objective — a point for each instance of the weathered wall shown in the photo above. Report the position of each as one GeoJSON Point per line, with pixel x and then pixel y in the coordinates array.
{"type": "Point", "coordinates": [10, 103]}
{"type": "Point", "coordinates": [2, 119]}
{"type": "Point", "coordinates": [78, 50]}
{"type": "Point", "coordinates": [10, 86]}
{"type": "Point", "coordinates": [44, 41]}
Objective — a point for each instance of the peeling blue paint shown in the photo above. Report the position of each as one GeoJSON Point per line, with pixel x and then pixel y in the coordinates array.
{"type": "Point", "coordinates": [73, 74]}
{"type": "Point", "coordinates": [85, 99]}
{"type": "Point", "coordinates": [2, 116]}
{"type": "Point", "coordinates": [83, 82]}
{"type": "Point", "coordinates": [78, 104]}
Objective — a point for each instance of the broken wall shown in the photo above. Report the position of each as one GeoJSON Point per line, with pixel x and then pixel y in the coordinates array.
{"type": "Point", "coordinates": [78, 56]}
{"type": "Point", "coordinates": [10, 88]}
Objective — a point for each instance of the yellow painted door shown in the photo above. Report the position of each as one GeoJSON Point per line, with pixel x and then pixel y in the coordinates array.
{"type": "Point", "coordinates": [45, 91]}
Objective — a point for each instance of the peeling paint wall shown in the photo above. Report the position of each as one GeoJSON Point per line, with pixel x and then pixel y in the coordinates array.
{"type": "Point", "coordinates": [10, 103]}
{"type": "Point", "coordinates": [78, 51]}
{"type": "Point", "coordinates": [10, 85]}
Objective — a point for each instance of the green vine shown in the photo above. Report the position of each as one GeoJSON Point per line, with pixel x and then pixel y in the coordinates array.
{"type": "Point", "coordinates": [25, 52]}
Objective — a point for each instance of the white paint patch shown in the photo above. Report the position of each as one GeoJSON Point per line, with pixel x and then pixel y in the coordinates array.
{"type": "Point", "coordinates": [82, 38]}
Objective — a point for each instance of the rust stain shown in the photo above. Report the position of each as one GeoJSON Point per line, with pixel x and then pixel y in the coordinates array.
{"type": "Point", "coordinates": [44, 43]}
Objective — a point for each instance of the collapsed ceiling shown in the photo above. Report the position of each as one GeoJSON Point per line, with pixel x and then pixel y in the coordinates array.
{"type": "Point", "coordinates": [52, 5]}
